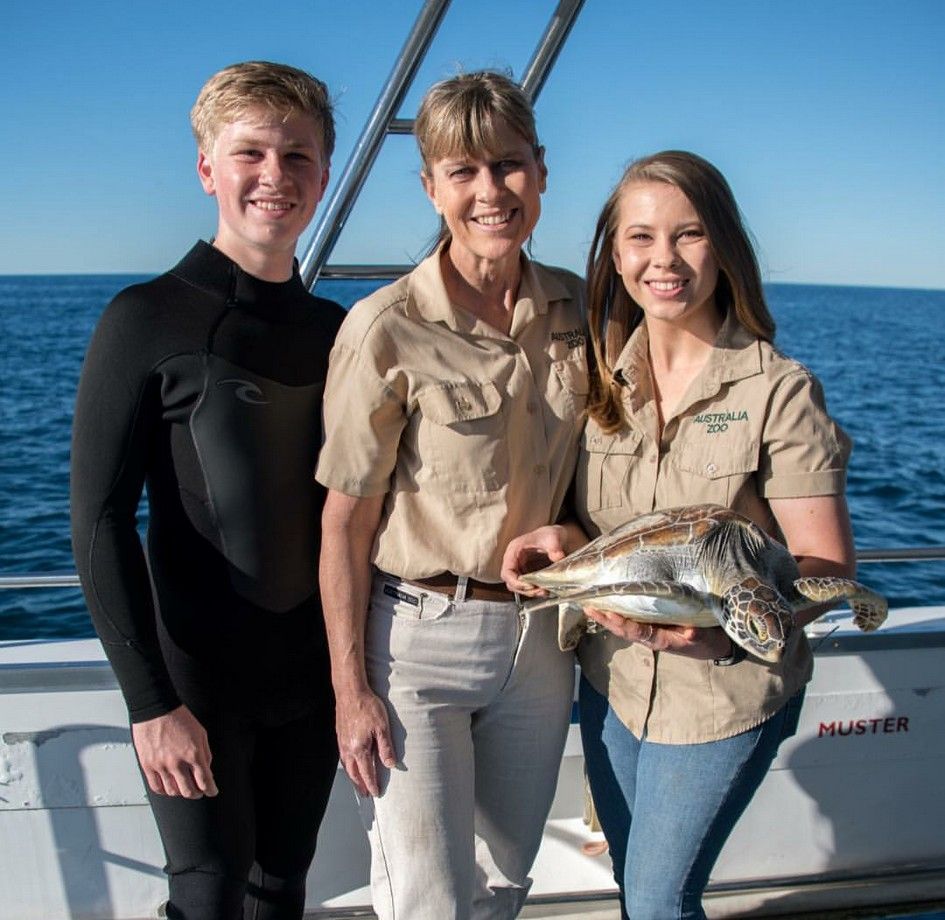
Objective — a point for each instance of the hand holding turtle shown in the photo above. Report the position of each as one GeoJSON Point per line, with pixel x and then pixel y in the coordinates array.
{"type": "Point", "coordinates": [708, 643]}
{"type": "Point", "coordinates": [535, 550]}
{"type": "Point", "coordinates": [529, 553]}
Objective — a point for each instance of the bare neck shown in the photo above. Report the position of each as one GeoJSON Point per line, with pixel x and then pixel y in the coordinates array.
{"type": "Point", "coordinates": [488, 290]}
{"type": "Point", "coordinates": [676, 355]}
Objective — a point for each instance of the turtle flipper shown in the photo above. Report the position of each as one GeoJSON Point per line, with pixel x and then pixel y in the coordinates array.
{"type": "Point", "coordinates": [869, 608]}
{"type": "Point", "coordinates": [572, 624]}
{"type": "Point", "coordinates": [756, 617]}
{"type": "Point", "coordinates": [669, 599]}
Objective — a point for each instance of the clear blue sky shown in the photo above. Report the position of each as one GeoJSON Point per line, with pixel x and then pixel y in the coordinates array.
{"type": "Point", "coordinates": [828, 118]}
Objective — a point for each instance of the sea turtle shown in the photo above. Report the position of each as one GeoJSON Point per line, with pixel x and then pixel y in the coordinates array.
{"type": "Point", "coordinates": [702, 565]}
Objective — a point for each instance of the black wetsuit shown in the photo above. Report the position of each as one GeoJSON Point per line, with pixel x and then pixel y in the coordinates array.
{"type": "Point", "coordinates": [206, 385]}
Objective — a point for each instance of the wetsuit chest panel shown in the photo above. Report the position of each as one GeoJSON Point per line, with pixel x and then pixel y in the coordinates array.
{"type": "Point", "coordinates": [257, 441]}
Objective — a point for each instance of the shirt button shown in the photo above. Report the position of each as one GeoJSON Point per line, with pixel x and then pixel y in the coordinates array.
{"type": "Point", "coordinates": [710, 468]}
{"type": "Point", "coordinates": [539, 469]}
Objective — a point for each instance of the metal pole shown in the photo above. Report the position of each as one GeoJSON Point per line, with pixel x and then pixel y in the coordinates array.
{"type": "Point", "coordinates": [369, 143]}
{"type": "Point", "coordinates": [912, 554]}
{"type": "Point", "coordinates": [550, 44]}
{"type": "Point", "coordinates": [59, 580]}
{"type": "Point", "coordinates": [896, 554]}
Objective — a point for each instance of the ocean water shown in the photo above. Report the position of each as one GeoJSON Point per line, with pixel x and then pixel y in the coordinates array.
{"type": "Point", "coordinates": [877, 352]}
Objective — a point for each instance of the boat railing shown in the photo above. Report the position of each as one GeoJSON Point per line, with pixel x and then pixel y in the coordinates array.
{"type": "Point", "coordinates": [97, 675]}
{"type": "Point", "coordinates": [906, 554]}
{"type": "Point", "coordinates": [863, 556]}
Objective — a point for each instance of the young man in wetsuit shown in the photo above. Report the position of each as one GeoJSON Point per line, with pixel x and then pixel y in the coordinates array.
{"type": "Point", "coordinates": [206, 383]}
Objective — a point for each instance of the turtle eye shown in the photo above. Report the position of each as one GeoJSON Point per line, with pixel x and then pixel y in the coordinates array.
{"type": "Point", "coordinates": [756, 626]}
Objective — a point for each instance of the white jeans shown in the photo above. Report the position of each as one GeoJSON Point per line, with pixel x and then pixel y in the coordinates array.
{"type": "Point", "coordinates": [479, 705]}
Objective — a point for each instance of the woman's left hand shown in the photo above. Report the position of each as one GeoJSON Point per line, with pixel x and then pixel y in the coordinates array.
{"type": "Point", "coordinates": [705, 643]}
{"type": "Point", "coordinates": [536, 549]}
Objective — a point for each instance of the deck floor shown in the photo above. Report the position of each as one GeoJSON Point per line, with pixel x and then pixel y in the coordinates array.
{"type": "Point", "coordinates": [607, 909]}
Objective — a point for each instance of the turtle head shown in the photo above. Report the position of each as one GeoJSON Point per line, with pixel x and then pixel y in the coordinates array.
{"type": "Point", "coordinates": [756, 617]}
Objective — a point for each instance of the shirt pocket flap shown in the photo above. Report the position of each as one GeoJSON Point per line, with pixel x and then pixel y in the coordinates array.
{"type": "Point", "coordinates": [712, 463]}
{"type": "Point", "coordinates": [573, 376]}
{"type": "Point", "coordinates": [459, 402]}
{"type": "Point", "coordinates": [604, 467]}
{"type": "Point", "coordinates": [627, 441]}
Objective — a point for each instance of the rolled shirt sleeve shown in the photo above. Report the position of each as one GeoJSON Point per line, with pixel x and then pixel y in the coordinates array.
{"type": "Point", "coordinates": [804, 451]}
{"type": "Point", "coordinates": [364, 419]}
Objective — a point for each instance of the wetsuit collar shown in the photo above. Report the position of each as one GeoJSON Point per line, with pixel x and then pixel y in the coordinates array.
{"type": "Point", "coordinates": [210, 270]}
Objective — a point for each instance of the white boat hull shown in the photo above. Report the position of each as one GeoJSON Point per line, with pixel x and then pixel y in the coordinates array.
{"type": "Point", "coordinates": [851, 812]}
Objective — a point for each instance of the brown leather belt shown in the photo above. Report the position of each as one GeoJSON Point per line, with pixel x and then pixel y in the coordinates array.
{"type": "Point", "coordinates": [445, 583]}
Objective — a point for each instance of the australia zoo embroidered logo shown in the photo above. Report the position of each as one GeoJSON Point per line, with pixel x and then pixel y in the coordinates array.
{"type": "Point", "coordinates": [245, 390]}
{"type": "Point", "coordinates": [717, 422]}
{"type": "Point", "coordinates": [573, 337]}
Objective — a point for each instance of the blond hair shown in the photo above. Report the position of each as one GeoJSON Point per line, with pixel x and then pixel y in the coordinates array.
{"type": "Point", "coordinates": [464, 114]}
{"type": "Point", "coordinates": [613, 314]}
{"type": "Point", "coordinates": [284, 90]}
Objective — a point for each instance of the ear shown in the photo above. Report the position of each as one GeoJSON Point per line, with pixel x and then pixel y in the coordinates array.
{"type": "Point", "coordinates": [429, 186]}
{"type": "Point", "coordinates": [542, 170]}
{"type": "Point", "coordinates": [615, 255]}
{"type": "Point", "coordinates": [324, 183]}
{"type": "Point", "coordinates": [205, 173]}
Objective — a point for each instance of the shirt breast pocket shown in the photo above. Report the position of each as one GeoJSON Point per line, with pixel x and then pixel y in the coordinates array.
{"type": "Point", "coordinates": [604, 468]}
{"type": "Point", "coordinates": [461, 443]}
{"type": "Point", "coordinates": [573, 378]}
{"type": "Point", "coordinates": [716, 473]}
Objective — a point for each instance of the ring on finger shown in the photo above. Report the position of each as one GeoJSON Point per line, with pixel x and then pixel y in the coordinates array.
{"type": "Point", "coordinates": [646, 640]}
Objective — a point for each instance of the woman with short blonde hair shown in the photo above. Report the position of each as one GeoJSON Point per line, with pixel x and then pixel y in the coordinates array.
{"type": "Point", "coordinates": [453, 411]}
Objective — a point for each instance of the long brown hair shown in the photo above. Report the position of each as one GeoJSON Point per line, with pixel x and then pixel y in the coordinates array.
{"type": "Point", "coordinates": [613, 314]}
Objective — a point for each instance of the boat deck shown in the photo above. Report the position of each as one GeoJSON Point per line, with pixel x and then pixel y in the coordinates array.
{"type": "Point", "coordinates": [859, 782]}
{"type": "Point", "coordinates": [606, 909]}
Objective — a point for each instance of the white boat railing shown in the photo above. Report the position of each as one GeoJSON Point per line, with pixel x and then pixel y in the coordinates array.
{"type": "Point", "coordinates": [867, 556]}
{"type": "Point", "coordinates": [93, 675]}
{"type": "Point", "coordinates": [905, 554]}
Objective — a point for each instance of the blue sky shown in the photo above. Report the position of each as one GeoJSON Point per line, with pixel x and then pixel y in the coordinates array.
{"type": "Point", "coordinates": [827, 118]}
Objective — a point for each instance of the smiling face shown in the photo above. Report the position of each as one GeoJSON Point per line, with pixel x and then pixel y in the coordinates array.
{"type": "Point", "coordinates": [663, 255]}
{"type": "Point", "coordinates": [267, 174]}
{"type": "Point", "coordinates": [489, 201]}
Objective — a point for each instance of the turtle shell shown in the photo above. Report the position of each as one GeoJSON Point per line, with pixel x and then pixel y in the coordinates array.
{"type": "Point", "coordinates": [649, 533]}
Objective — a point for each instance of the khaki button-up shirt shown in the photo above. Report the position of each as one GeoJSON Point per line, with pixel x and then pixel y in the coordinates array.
{"type": "Point", "coordinates": [752, 426]}
{"type": "Point", "coordinates": [473, 435]}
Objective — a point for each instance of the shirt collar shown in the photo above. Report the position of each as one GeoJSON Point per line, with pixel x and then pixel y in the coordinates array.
{"type": "Point", "coordinates": [428, 300]}
{"type": "Point", "coordinates": [736, 355]}
{"type": "Point", "coordinates": [737, 352]}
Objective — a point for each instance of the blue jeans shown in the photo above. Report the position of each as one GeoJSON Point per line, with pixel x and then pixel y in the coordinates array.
{"type": "Point", "coordinates": [667, 809]}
